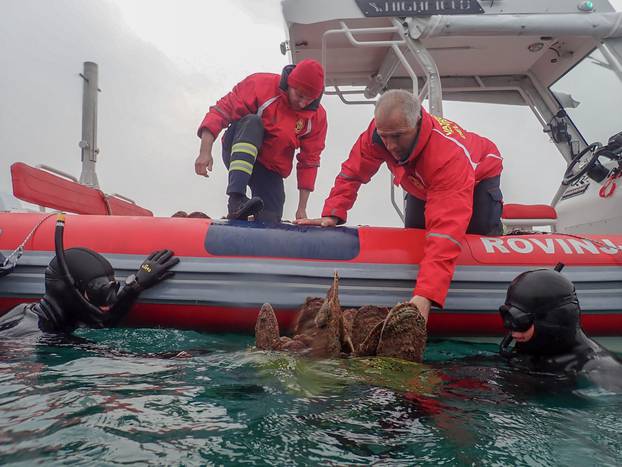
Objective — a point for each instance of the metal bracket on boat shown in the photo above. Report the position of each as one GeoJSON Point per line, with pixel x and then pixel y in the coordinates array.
{"type": "Point", "coordinates": [394, 44]}
{"type": "Point", "coordinates": [432, 89]}
{"type": "Point", "coordinates": [613, 62]}
{"type": "Point", "coordinates": [50, 169]}
{"type": "Point", "coordinates": [342, 96]}
{"type": "Point", "coordinates": [121, 197]}
{"type": "Point", "coordinates": [396, 206]}
{"type": "Point", "coordinates": [11, 261]}
{"type": "Point", "coordinates": [6, 266]}
{"type": "Point", "coordinates": [402, 37]}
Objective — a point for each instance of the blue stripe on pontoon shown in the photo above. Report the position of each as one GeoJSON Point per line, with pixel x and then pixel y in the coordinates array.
{"type": "Point", "coordinates": [255, 239]}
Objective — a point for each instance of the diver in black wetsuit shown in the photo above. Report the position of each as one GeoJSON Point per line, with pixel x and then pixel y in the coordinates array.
{"type": "Point", "coordinates": [81, 291]}
{"type": "Point", "coordinates": [542, 314]}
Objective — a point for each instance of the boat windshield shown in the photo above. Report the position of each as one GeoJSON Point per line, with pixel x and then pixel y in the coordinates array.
{"type": "Point", "coordinates": [591, 94]}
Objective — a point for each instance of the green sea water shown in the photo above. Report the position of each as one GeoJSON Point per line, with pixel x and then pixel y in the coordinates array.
{"type": "Point", "coordinates": [126, 399]}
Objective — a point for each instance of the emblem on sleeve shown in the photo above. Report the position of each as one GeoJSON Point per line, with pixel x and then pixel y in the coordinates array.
{"type": "Point", "coordinates": [448, 127]}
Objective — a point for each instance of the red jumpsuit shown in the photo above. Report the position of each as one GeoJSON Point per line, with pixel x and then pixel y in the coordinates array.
{"type": "Point", "coordinates": [443, 169]}
{"type": "Point", "coordinates": [285, 129]}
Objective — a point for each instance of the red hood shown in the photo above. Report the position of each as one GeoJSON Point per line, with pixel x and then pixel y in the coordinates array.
{"type": "Point", "coordinates": [423, 136]}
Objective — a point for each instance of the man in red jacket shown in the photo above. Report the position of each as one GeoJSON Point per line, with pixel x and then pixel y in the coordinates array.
{"type": "Point", "coordinates": [268, 117]}
{"type": "Point", "coordinates": [451, 177]}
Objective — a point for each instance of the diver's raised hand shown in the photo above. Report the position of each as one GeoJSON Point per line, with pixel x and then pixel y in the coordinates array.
{"type": "Point", "coordinates": [156, 268]}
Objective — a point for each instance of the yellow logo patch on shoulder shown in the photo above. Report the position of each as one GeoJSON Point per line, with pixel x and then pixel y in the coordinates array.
{"type": "Point", "coordinates": [448, 127]}
{"type": "Point", "coordinates": [300, 124]}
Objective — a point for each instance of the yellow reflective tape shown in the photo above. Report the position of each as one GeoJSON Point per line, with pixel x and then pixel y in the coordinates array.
{"type": "Point", "coordinates": [247, 145]}
{"type": "Point", "coordinates": [246, 148]}
{"type": "Point", "coordinates": [242, 166]}
{"type": "Point", "coordinates": [243, 163]}
{"type": "Point", "coordinates": [245, 151]}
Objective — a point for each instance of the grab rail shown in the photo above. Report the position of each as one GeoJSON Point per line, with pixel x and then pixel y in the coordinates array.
{"type": "Point", "coordinates": [123, 198]}
{"type": "Point", "coordinates": [66, 175]}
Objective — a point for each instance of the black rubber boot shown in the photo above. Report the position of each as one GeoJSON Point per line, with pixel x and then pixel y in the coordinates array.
{"type": "Point", "coordinates": [240, 207]}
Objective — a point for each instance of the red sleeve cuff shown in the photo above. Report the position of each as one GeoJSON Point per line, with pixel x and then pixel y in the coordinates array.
{"type": "Point", "coordinates": [435, 296]}
{"type": "Point", "coordinates": [209, 124]}
{"type": "Point", "coordinates": [340, 214]}
{"type": "Point", "coordinates": [306, 178]}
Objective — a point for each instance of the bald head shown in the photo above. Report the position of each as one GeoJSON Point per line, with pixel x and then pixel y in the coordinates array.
{"type": "Point", "coordinates": [398, 104]}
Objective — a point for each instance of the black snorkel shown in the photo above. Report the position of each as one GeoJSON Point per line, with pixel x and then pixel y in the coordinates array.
{"type": "Point", "coordinates": [95, 313]}
{"type": "Point", "coordinates": [504, 347]}
{"type": "Point", "coordinates": [514, 320]}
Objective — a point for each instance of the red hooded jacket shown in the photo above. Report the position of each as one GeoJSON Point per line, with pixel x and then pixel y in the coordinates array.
{"type": "Point", "coordinates": [286, 130]}
{"type": "Point", "coordinates": [443, 169]}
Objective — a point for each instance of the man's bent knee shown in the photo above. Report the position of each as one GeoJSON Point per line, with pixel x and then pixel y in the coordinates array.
{"type": "Point", "coordinates": [487, 208]}
{"type": "Point", "coordinates": [250, 123]}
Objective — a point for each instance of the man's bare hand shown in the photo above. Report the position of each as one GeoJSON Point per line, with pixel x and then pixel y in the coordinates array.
{"type": "Point", "coordinates": [423, 305]}
{"type": "Point", "coordinates": [323, 221]}
{"type": "Point", "coordinates": [203, 164]}
{"type": "Point", "coordinates": [301, 213]}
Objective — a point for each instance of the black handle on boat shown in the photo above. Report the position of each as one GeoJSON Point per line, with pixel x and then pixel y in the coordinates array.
{"type": "Point", "coordinates": [615, 143]}
{"type": "Point", "coordinates": [592, 167]}
{"type": "Point", "coordinates": [59, 249]}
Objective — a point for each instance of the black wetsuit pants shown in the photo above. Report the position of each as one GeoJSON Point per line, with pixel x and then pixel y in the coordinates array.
{"type": "Point", "coordinates": [240, 146]}
{"type": "Point", "coordinates": [487, 208]}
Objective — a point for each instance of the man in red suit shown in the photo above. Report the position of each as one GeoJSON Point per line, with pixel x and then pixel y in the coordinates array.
{"type": "Point", "coordinates": [451, 177]}
{"type": "Point", "coordinates": [268, 117]}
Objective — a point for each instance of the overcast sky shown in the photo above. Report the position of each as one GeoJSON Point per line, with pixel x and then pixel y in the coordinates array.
{"type": "Point", "coordinates": [161, 65]}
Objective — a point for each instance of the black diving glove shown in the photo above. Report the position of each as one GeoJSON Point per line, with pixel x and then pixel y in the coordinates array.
{"type": "Point", "coordinates": [154, 270]}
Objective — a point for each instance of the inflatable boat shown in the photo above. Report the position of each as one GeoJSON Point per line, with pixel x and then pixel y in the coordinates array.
{"type": "Point", "coordinates": [228, 269]}
{"type": "Point", "coordinates": [551, 57]}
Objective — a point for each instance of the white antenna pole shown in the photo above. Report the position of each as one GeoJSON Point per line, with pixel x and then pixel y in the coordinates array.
{"type": "Point", "coordinates": [88, 144]}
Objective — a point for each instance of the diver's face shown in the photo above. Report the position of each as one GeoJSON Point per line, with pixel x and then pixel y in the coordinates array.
{"type": "Point", "coordinates": [298, 100]}
{"type": "Point", "coordinates": [396, 133]}
{"type": "Point", "coordinates": [102, 292]}
{"type": "Point", "coordinates": [103, 308]}
{"type": "Point", "coordinates": [524, 336]}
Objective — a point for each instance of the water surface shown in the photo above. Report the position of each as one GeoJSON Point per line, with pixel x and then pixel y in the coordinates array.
{"type": "Point", "coordinates": [125, 399]}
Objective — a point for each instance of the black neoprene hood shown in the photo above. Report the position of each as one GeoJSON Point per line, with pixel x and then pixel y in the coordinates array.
{"type": "Point", "coordinates": [539, 291]}
{"type": "Point", "coordinates": [84, 266]}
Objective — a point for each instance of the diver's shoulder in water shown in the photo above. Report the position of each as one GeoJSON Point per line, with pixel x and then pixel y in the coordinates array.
{"type": "Point", "coordinates": [21, 322]}
{"type": "Point", "coordinates": [585, 357]}
{"type": "Point", "coordinates": [32, 321]}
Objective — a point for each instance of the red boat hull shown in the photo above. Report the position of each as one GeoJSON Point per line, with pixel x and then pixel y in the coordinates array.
{"type": "Point", "coordinates": [228, 270]}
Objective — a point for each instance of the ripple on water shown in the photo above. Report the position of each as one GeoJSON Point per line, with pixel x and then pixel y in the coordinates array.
{"type": "Point", "coordinates": [126, 401]}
